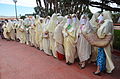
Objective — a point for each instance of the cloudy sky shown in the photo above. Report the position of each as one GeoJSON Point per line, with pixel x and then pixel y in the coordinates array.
{"type": "Point", "coordinates": [27, 3]}
{"type": "Point", "coordinates": [23, 7]}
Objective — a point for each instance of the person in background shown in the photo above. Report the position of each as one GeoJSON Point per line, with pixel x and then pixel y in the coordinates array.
{"type": "Point", "coordinates": [51, 28]}
{"type": "Point", "coordinates": [40, 33]}
{"type": "Point", "coordinates": [32, 32]}
{"type": "Point", "coordinates": [83, 46]}
{"type": "Point", "coordinates": [69, 34]}
{"type": "Point", "coordinates": [58, 36]}
{"type": "Point", "coordinates": [46, 41]}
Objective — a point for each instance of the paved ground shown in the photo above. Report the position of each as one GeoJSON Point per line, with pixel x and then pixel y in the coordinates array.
{"type": "Point", "coordinates": [18, 61]}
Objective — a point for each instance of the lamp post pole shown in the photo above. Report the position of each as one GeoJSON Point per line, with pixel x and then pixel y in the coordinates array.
{"type": "Point", "coordinates": [15, 1]}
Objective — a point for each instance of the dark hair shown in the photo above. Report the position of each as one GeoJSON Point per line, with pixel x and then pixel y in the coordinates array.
{"type": "Point", "coordinates": [6, 20]}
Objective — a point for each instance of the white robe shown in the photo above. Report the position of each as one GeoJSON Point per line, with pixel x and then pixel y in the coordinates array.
{"type": "Point", "coordinates": [69, 44]}
{"type": "Point", "coordinates": [46, 41]}
{"type": "Point", "coordinates": [12, 33]}
{"type": "Point", "coordinates": [83, 47]}
{"type": "Point", "coordinates": [58, 36]}
{"type": "Point", "coordinates": [51, 28]}
{"type": "Point", "coordinates": [32, 35]}
{"type": "Point", "coordinates": [22, 34]}
{"type": "Point", "coordinates": [5, 31]}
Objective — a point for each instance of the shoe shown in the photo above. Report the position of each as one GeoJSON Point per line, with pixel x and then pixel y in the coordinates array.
{"type": "Point", "coordinates": [79, 64]}
{"type": "Point", "coordinates": [68, 63]}
{"type": "Point", "coordinates": [104, 71]}
{"type": "Point", "coordinates": [54, 57]}
{"type": "Point", "coordinates": [38, 48]}
{"type": "Point", "coordinates": [82, 66]}
{"type": "Point", "coordinates": [97, 73]}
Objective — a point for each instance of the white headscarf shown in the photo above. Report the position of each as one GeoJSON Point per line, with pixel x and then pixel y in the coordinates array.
{"type": "Point", "coordinates": [74, 18]}
{"type": "Point", "coordinates": [58, 36]}
{"type": "Point", "coordinates": [20, 23]}
{"type": "Point", "coordinates": [86, 28]}
{"type": "Point", "coordinates": [33, 20]}
{"type": "Point", "coordinates": [83, 20]}
{"type": "Point", "coordinates": [27, 21]}
{"type": "Point", "coordinates": [60, 18]}
{"type": "Point", "coordinates": [47, 21]}
{"type": "Point", "coordinates": [53, 23]}
{"type": "Point", "coordinates": [107, 15]}
{"type": "Point", "coordinates": [107, 26]}
{"type": "Point", "coordinates": [93, 20]}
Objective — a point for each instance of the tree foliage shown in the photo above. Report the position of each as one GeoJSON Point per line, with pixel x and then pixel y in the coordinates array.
{"type": "Point", "coordinates": [72, 6]}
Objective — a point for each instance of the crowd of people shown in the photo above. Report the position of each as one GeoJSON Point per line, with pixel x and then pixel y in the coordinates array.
{"type": "Point", "coordinates": [66, 37]}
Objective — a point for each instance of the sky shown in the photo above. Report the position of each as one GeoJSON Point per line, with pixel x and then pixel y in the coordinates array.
{"type": "Point", "coordinates": [7, 7]}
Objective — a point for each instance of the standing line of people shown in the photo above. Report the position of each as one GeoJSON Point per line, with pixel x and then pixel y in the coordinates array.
{"type": "Point", "coordinates": [63, 37]}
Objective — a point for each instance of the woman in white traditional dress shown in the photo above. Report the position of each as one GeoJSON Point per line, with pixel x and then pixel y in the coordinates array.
{"type": "Point", "coordinates": [5, 30]}
{"type": "Point", "coordinates": [21, 29]}
{"type": "Point", "coordinates": [69, 34]}
{"type": "Point", "coordinates": [12, 33]}
{"type": "Point", "coordinates": [17, 31]}
{"type": "Point", "coordinates": [83, 46]}
{"type": "Point", "coordinates": [104, 60]}
{"type": "Point", "coordinates": [37, 33]}
{"type": "Point", "coordinates": [46, 41]}
{"type": "Point", "coordinates": [58, 36]}
{"type": "Point", "coordinates": [27, 24]}
{"type": "Point", "coordinates": [51, 28]}
{"type": "Point", "coordinates": [32, 32]}
{"type": "Point", "coordinates": [40, 33]}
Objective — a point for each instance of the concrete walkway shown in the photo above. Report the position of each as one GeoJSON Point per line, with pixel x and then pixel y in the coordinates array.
{"type": "Point", "coordinates": [19, 61]}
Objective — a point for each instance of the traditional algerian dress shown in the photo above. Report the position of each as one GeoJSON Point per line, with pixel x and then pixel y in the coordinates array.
{"type": "Point", "coordinates": [9, 29]}
{"type": "Point", "coordinates": [27, 24]}
{"type": "Point", "coordinates": [12, 32]}
{"type": "Point", "coordinates": [69, 34]}
{"type": "Point", "coordinates": [101, 57]}
{"type": "Point", "coordinates": [58, 36]}
{"type": "Point", "coordinates": [51, 28]}
{"type": "Point", "coordinates": [37, 33]}
{"type": "Point", "coordinates": [83, 46]}
{"type": "Point", "coordinates": [17, 30]}
{"type": "Point", "coordinates": [40, 34]}
{"type": "Point", "coordinates": [104, 59]}
{"type": "Point", "coordinates": [21, 28]}
{"type": "Point", "coordinates": [5, 31]}
{"type": "Point", "coordinates": [46, 41]}
{"type": "Point", "coordinates": [32, 32]}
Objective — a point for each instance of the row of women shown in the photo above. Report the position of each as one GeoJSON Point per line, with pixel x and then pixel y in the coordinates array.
{"type": "Point", "coordinates": [63, 38]}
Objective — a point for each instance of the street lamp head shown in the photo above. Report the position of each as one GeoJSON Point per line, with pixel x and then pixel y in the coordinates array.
{"type": "Point", "coordinates": [14, 1]}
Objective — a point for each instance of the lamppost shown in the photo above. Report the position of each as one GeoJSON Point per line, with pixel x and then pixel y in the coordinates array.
{"type": "Point", "coordinates": [15, 1]}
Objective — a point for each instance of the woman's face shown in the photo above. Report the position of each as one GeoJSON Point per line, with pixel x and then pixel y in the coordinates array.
{"type": "Point", "coordinates": [41, 20]}
{"type": "Point", "coordinates": [74, 19]}
{"type": "Point", "coordinates": [100, 19]}
{"type": "Point", "coordinates": [83, 20]}
{"type": "Point", "coordinates": [69, 20]}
